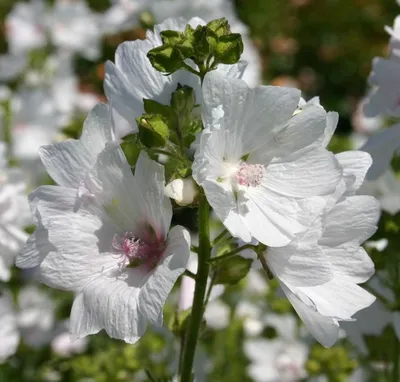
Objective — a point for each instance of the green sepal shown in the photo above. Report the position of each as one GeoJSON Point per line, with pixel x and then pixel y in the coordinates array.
{"type": "Point", "coordinates": [232, 270]}
{"type": "Point", "coordinates": [153, 130]}
{"type": "Point", "coordinates": [166, 59]}
{"type": "Point", "coordinates": [131, 146]}
{"type": "Point", "coordinates": [219, 26]}
{"type": "Point", "coordinates": [229, 49]}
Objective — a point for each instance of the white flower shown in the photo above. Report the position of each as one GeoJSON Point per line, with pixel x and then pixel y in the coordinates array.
{"type": "Point", "coordinates": [132, 78]}
{"type": "Point", "coordinates": [35, 121]}
{"type": "Point", "coordinates": [262, 169]}
{"type": "Point", "coordinates": [319, 270]}
{"type": "Point", "coordinates": [111, 245]}
{"type": "Point", "coordinates": [67, 163]}
{"type": "Point", "coordinates": [11, 66]}
{"type": "Point", "coordinates": [75, 28]}
{"type": "Point", "coordinates": [36, 316]}
{"type": "Point", "coordinates": [9, 334]}
{"type": "Point", "coordinates": [62, 344]}
{"type": "Point", "coordinates": [386, 189]}
{"type": "Point", "coordinates": [14, 215]}
{"type": "Point", "coordinates": [25, 27]}
{"type": "Point", "coordinates": [382, 146]}
{"type": "Point", "coordinates": [183, 191]}
{"type": "Point", "coordinates": [276, 360]}
{"type": "Point", "coordinates": [217, 315]}
{"type": "Point", "coordinates": [122, 15]}
{"type": "Point", "coordinates": [384, 97]}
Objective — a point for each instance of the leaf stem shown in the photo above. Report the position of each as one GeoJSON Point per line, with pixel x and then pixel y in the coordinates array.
{"type": "Point", "coordinates": [219, 237]}
{"type": "Point", "coordinates": [203, 270]}
{"type": "Point", "coordinates": [232, 253]}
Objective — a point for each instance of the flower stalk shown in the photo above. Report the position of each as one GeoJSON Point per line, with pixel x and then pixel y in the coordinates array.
{"type": "Point", "coordinates": [196, 317]}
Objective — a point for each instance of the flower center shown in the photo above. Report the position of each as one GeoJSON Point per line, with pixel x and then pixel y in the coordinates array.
{"type": "Point", "coordinates": [135, 252]}
{"type": "Point", "coordinates": [249, 175]}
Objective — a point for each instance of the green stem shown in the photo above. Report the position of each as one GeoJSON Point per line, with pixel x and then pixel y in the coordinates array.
{"type": "Point", "coordinates": [219, 237]}
{"type": "Point", "coordinates": [190, 274]}
{"type": "Point", "coordinates": [190, 69]}
{"type": "Point", "coordinates": [203, 270]}
{"type": "Point", "coordinates": [235, 252]}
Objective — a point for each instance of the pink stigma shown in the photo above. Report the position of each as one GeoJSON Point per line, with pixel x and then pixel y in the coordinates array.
{"type": "Point", "coordinates": [136, 252]}
{"type": "Point", "coordinates": [249, 175]}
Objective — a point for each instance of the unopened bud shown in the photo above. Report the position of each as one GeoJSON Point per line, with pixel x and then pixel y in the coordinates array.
{"type": "Point", "coordinates": [183, 191]}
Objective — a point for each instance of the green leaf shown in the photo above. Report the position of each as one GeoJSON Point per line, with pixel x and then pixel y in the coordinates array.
{"type": "Point", "coordinates": [165, 59]}
{"type": "Point", "coordinates": [229, 49]}
{"type": "Point", "coordinates": [153, 130]}
{"type": "Point", "coordinates": [232, 270]}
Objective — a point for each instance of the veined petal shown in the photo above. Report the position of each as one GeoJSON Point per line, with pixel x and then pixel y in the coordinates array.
{"type": "Point", "coordinates": [324, 329]}
{"type": "Point", "coordinates": [314, 173]}
{"type": "Point", "coordinates": [109, 304]}
{"type": "Point", "coordinates": [249, 115]}
{"type": "Point", "coordinates": [67, 162]}
{"type": "Point", "coordinates": [300, 266]}
{"type": "Point", "coordinates": [153, 295]}
{"type": "Point", "coordinates": [350, 261]}
{"type": "Point", "coordinates": [355, 164]}
{"type": "Point", "coordinates": [353, 219]}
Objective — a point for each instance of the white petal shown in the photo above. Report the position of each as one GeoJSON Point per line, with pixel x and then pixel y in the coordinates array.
{"type": "Point", "coordinates": [332, 119]}
{"type": "Point", "coordinates": [9, 333]}
{"type": "Point", "coordinates": [67, 162]}
{"type": "Point", "coordinates": [157, 209]}
{"type": "Point", "coordinates": [299, 266]}
{"type": "Point", "coordinates": [249, 115]}
{"type": "Point", "coordinates": [353, 219]}
{"type": "Point", "coordinates": [274, 219]}
{"type": "Point", "coordinates": [109, 304]}
{"type": "Point", "coordinates": [338, 298]}
{"type": "Point", "coordinates": [356, 165]}
{"type": "Point", "coordinates": [314, 173]}
{"type": "Point", "coordinates": [350, 261]}
{"type": "Point", "coordinates": [324, 329]}
{"type": "Point", "coordinates": [382, 146]}
{"type": "Point", "coordinates": [153, 295]}
{"type": "Point", "coordinates": [81, 240]}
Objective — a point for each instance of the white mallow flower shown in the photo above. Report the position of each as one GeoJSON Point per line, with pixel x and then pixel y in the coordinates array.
{"type": "Point", "coordinates": [36, 316]}
{"type": "Point", "coordinates": [35, 121]}
{"type": "Point", "coordinates": [183, 191]}
{"type": "Point", "coordinates": [263, 169]}
{"type": "Point", "coordinates": [382, 146]}
{"type": "Point", "coordinates": [67, 163]}
{"type": "Point", "coordinates": [11, 66]}
{"type": "Point", "coordinates": [276, 360]}
{"type": "Point", "coordinates": [31, 320]}
{"type": "Point", "coordinates": [132, 78]}
{"type": "Point", "coordinates": [75, 28]}
{"type": "Point", "coordinates": [384, 97]}
{"type": "Point", "coordinates": [386, 189]}
{"type": "Point", "coordinates": [320, 270]}
{"type": "Point", "coordinates": [14, 215]}
{"type": "Point", "coordinates": [110, 245]}
{"type": "Point", "coordinates": [62, 344]}
{"type": "Point", "coordinates": [9, 334]}
{"type": "Point", "coordinates": [25, 27]}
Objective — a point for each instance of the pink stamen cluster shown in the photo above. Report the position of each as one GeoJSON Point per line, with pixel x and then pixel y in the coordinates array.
{"type": "Point", "coordinates": [136, 252]}
{"type": "Point", "coordinates": [249, 175]}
